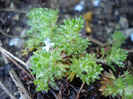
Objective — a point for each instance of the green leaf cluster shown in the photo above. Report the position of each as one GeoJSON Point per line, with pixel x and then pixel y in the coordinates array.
{"type": "Point", "coordinates": [122, 86]}
{"type": "Point", "coordinates": [42, 24]}
{"type": "Point", "coordinates": [116, 54]}
{"type": "Point", "coordinates": [69, 39]}
{"type": "Point", "coordinates": [47, 66]}
{"type": "Point", "coordinates": [118, 39]}
{"type": "Point", "coordinates": [50, 65]}
{"type": "Point", "coordinates": [42, 19]}
{"type": "Point", "coordinates": [66, 37]}
{"type": "Point", "coordinates": [86, 68]}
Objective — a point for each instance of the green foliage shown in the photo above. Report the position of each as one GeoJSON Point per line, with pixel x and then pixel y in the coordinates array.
{"type": "Point", "coordinates": [85, 68]}
{"type": "Point", "coordinates": [51, 41]}
{"type": "Point", "coordinates": [116, 54]}
{"type": "Point", "coordinates": [42, 19]}
{"type": "Point", "coordinates": [118, 39]}
{"type": "Point", "coordinates": [72, 26]}
{"type": "Point", "coordinates": [122, 86]}
{"type": "Point", "coordinates": [66, 37]}
{"type": "Point", "coordinates": [69, 40]}
{"type": "Point", "coordinates": [47, 66]}
{"type": "Point", "coordinates": [42, 24]}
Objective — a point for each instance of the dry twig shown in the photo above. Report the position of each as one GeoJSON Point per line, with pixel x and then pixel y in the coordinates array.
{"type": "Point", "coordinates": [11, 36]}
{"type": "Point", "coordinates": [5, 59]}
{"type": "Point", "coordinates": [104, 44]}
{"type": "Point", "coordinates": [70, 85]}
{"type": "Point", "coordinates": [4, 53]}
{"type": "Point", "coordinates": [77, 97]}
{"type": "Point", "coordinates": [130, 51]}
{"type": "Point", "coordinates": [8, 92]}
{"type": "Point", "coordinates": [23, 92]}
{"type": "Point", "coordinates": [2, 85]}
{"type": "Point", "coordinates": [98, 42]}
{"type": "Point", "coordinates": [19, 60]}
{"type": "Point", "coordinates": [13, 10]}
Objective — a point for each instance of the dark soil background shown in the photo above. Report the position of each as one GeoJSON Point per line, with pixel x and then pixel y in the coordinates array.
{"type": "Point", "coordinates": [108, 16]}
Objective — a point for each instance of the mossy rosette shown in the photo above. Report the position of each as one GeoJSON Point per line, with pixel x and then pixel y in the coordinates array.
{"type": "Point", "coordinates": [85, 68]}
{"type": "Point", "coordinates": [47, 67]}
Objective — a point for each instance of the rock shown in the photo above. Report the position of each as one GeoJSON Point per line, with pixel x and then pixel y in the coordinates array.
{"type": "Point", "coordinates": [16, 42]}
{"type": "Point", "coordinates": [131, 36]}
{"type": "Point", "coordinates": [68, 5]}
{"type": "Point", "coordinates": [108, 29]}
{"type": "Point", "coordinates": [128, 32]}
{"type": "Point", "coordinates": [79, 7]}
{"type": "Point", "coordinates": [16, 17]}
{"type": "Point", "coordinates": [12, 5]}
{"type": "Point", "coordinates": [123, 22]}
{"type": "Point", "coordinates": [96, 3]}
{"type": "Point", "coordinates": [63, 5]}
{"type": "Point", "coordinates": [18, 29]}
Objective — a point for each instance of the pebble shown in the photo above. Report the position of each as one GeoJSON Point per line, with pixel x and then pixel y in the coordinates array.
{"type": "Point", "coordinates": [123, 22]}
{"type": "Point", "coordinates": [79, 7]}
{"type": "Point", "coordinates": [16, 17]}
{"type": "Point", "coordinates": [128, 32]}
{"type": "Point", "coordinates": [131, 36]}
{"type": "Point", "coordinates": [12, 6]}
{"type": "Point", "coordinates": [16, 42]}
{"type": "Point", "coordinates": [96, 3]}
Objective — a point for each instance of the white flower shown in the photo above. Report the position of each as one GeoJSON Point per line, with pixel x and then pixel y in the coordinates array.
{"type": "Point", "coordinates": [48, 45]}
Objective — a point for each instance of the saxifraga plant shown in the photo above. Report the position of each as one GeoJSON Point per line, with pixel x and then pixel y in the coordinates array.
{"type": "Point", "coordinates": [53, 42]}
{"type": "Point", "coordinates": [122, 87]}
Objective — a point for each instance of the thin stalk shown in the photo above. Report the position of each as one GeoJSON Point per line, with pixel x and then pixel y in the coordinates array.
{"type": "Point", "coordinates": [77, 97]}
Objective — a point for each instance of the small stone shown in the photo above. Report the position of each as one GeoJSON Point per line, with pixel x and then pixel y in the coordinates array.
{"type": "Point", "coordinates": [80, 6]}
{"type": "Point", "coordinates": [16, 42]}
{"type": "Point", "coordinates": [123, 22]}
{"type": "Point", "coordinates": [128, 32]}
{"type": "Point", "coordinates": [131, 36]}
{"type": "Point", "coordinates": [18, 28]}
{"type": "Point", "coordinates": [108, 29]}
{"type": "Point", "coordinates": [16, 17]}
{"type": "Point", "coordinates": [96, 3]}
{"type": "Point", "coordinates": [12, 5]}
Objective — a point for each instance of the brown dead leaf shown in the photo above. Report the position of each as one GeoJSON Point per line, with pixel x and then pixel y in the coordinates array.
{"type": "Point", "coordinates": [88, 16]}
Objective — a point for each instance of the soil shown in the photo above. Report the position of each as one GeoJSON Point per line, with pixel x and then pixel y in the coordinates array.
{"type": "Point", "coordinates": [108, 16]}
